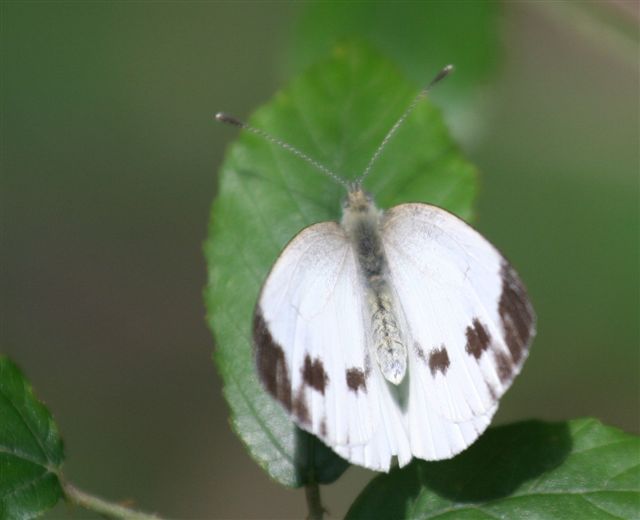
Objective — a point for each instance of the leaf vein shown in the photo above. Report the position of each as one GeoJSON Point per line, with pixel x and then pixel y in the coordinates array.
{"type": "Point", "coordinates": [28, 484]}
{"type": "Point", "coordinates": [26, 423]}
{"type": "Point", "coordinates": [598, 507]}
{"type": "Point", "coordinates": [618, 475]}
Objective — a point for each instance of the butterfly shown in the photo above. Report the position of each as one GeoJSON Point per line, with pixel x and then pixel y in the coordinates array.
{"type": "Point", "coordinates": [391, 334]}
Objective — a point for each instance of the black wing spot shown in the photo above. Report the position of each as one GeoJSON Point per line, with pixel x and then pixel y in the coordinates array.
{"type": "Point", "coordinates": [271, 363]}
{"type": "Point", "coordinates": [314, 375]}
{"type": "Point", "coordinates": [356, 380]}
{"type": "Point", "coordinates": [516, 313]}
{"type": "Point", "coordinates": [439, 360]}
{"type": "Point", "coordinates": [323, 427]}
{"type": "Point", "coordinates": [478, 339]}
{"type": "Point", "coordinates": [504, 365]}
{"type": "Point", "coordinates": [300, 408]}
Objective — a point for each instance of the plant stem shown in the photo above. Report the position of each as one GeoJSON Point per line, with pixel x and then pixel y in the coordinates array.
{"type": "Point", "coordinates": [314, 504]}
{"type": "Point", "coordinates": [103, 507]}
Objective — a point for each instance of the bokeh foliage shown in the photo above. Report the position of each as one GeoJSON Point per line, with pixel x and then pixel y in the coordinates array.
{"type": "Point", "coordinates": [109, 156]}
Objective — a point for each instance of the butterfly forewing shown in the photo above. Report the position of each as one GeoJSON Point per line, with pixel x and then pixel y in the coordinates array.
{"type": "Point", "coordinates": [469, 321]}
{"type": "Point", "coordinates": [311, 337]}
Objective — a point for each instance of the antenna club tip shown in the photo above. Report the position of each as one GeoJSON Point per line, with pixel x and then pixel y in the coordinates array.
{"type": "Point", "coordinates": [226, 118]}
{"type": "Point", "coordinates": [440, 76]}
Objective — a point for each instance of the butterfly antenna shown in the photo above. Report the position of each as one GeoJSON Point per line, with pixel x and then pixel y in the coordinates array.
{"type": "Point", "coordinates": [422, 94]}
{"type": "Point", "coordinates": [226, 118]}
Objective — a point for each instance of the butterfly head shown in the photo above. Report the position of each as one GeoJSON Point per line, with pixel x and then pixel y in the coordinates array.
{"type": "Point", "coordinates": [357, 200]}
{"type": "Point", "coordinates": [358, 207]}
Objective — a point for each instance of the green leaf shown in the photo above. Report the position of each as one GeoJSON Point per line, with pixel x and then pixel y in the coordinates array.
{"type": "Point", "coordinates": [529, 470]}
{"type": "Point", "coordinates": [30, 449]}
{"type": "Point", "coordinates": [338, 112]}
{"type": "Point", "coordinates": [421, 37]}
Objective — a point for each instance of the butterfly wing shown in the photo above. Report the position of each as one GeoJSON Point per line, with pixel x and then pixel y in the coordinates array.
{"type": "Point", "coordinates": [468, 325]}
{"type": "Point", "coordinates": [467, 321]}
{"type": "Point", "coordinates": [310, 337]}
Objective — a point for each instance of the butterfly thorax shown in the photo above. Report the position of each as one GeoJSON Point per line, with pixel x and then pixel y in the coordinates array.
{"type": "Point", "coordinates": [361, 220]}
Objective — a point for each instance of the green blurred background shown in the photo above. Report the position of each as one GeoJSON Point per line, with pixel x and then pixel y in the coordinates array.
{"type": "Point", "coordinates": [109, 159]}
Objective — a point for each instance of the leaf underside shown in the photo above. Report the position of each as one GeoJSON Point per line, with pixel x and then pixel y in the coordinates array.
{"type": "Point", "coordinates": [529, 470]}
{"type": "Point", "coordinates": [30, 449]}
{"type": "Point", "coordinates": [338, 112]}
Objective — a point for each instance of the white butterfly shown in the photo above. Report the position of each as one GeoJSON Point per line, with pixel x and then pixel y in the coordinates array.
{"type": "Point", "coordinates": [392, 333]}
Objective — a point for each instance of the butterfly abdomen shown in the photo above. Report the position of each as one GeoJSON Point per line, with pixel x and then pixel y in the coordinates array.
{"type": "Point", "coordinates": [391, 353]}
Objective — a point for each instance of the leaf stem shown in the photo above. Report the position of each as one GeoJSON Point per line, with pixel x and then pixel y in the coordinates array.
{"type": "Point", "coordinates": [103, 507]}
{"type": "Point", "coordinates": [314, 504]}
